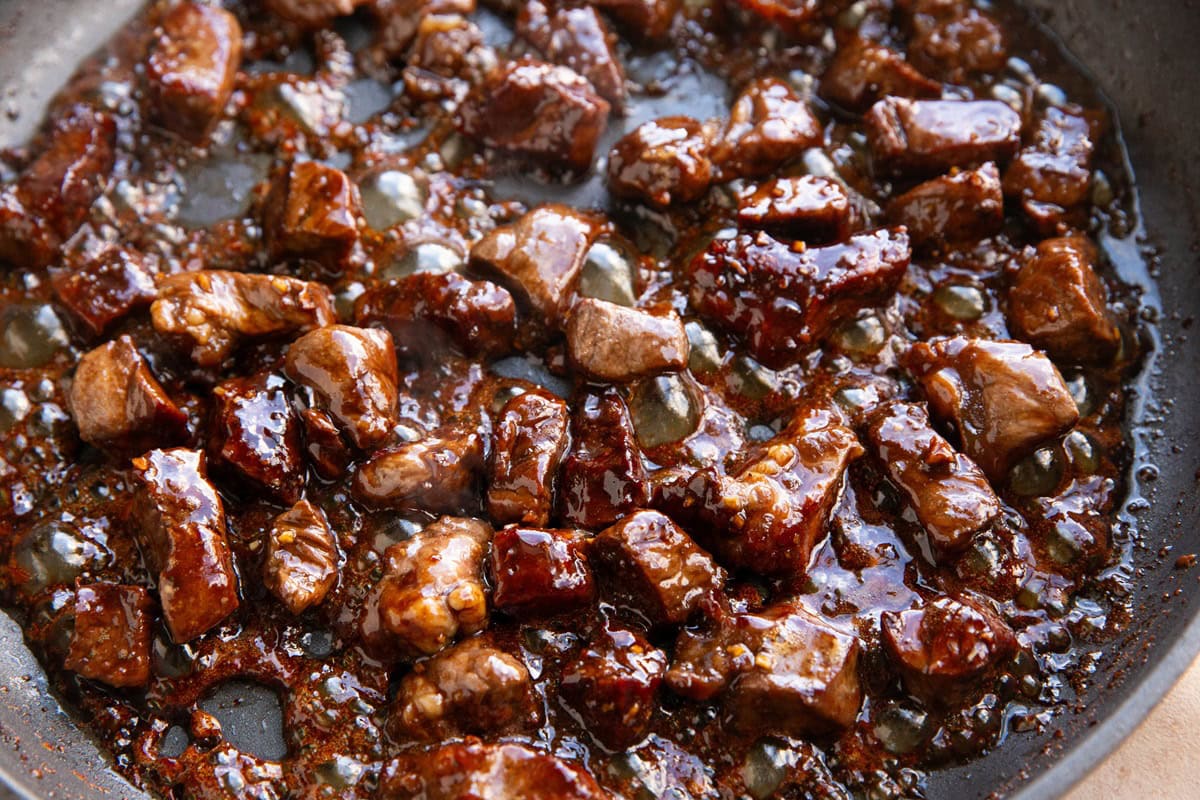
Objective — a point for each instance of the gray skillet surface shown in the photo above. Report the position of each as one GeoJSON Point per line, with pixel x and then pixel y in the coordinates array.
{"type": "Point", "coordinates": [1144, 54]}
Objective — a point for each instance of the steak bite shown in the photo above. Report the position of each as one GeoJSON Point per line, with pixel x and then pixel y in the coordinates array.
{"type": "Point", "coordinates": [768, 515]}
{"type": "Point", "coordinates": [104, 287]}
{"type": "Point", "coordinates": [952, 39]}
{"type": "Point", "coordinates": [191, 68]}
{"type": "Point", "coordinates": [1053, 172]}
{"type": "Point", "coordinates": [545, 113]}
{"type": "Point", "coordinates": [792, 16]}
{"type": "Point", "coordinates": [447, 56]}
{"type": "Point", "coordinates": [924, 137]}
{"type": "Point", "coordinates": [528, 443]}
{"type": "Point", "coordinates": [312, 211]}
{"type": "Point", "coordinates": [575, 37]}
{"type": "Point", "coordinates": [255, 433]}
{"type": "Point", "coordinates": [432, 591]}
{"type": "Point", "coordinates": [1004, 398]}
{"type": "Point", "coordinates": [645, 20]}
{"type": "Point", "coordinates": [313, 14]}
{"type": "Point", "coordinates": [615, 344]}
{"type": "Point", "coordinates": [118, 404]}
{"type": "Point", "coordinates": [946, 648]}
{"type": "Point", "coordinates": [650, 566]}
{"type": "Point", "coordinates": [960, 207]}
{"type": "Point", "coordinates": [662, 162]}
{"type": "Point", "coordinates": [438, 474]}
{"type": "Point", "coordinates": [214, 310]}
{"type": "Point", "coordinates": [779, 298]}
{"type": "Point", "coordinates": [603, 476]}
{"type": "Point", "coordinates": [352, 374]}
{"type": "Point", "coordinates": [303, 557]}
{"type": "Point", "coordinates": [110, 641]}
{"type": "Point", "coordinates": [949, 493]}
{"type": "Point", "coordinates": [809, 209]}
{"type": "Point", "coordinates": [472, 687]}
{"type": "Point", "coordinates": [863, 71]}
{"type": "Point", "coordinates": [768, 125]}
{"type": "Point", "coordinates": [782, 670]}
{"type": "Point", "coordinates": [539, 259]}
{"type": "Point", "coordinates": [180, 523]}
{"type": "Point", "coordinates": [537, 571]}
{"type": "Point", "coordinates": [1058, 303]}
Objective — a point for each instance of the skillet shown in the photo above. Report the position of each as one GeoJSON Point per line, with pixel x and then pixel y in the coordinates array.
{"type": "Point", "coordinates": [1143, 55]}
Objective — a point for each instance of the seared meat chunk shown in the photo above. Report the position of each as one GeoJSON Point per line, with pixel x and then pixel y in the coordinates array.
{"type": "Point", "coordinates": [647, 564]}
{"type": "Point", "coordinates": [1053, 172]}
{"type": "Point", "coordinates": [963, 206]}
{"type": "Point", "coordinates": [50, 198]}
{"type": "Point", "coordinates": [117, 403]}
{"type": "Point", "coordinates": [546, 113]}
{"type": "Point", "coordinates": [642, 19]}
{"type": "Point", "coordinates": [438, 473]}
{"type": "Point", "coordinates": [539, 258]}
{"type": "Point", "coordinates": [111, 638]}
{"type": "Point", "coordinates": [537, 571]}
{"type": "Point", "coordinates": [771, 513]}
{"type": "Point", "coordinates": [181, 528]}
{"type": "Point", "coordinates": [471, 688]}
{"type": "Point", "coordinates": [1072, 529]}
{"type": "Point", "coordinates": [946, 648]}
{"type": "Point", "coordinates": [312, 211]}
{"type": "Point", "coordinates": [191, 68]}
{"type": "Point", "coordinates": [528, 443]}
{"type": "Point", "coordinates": [779, 298]}
{"type": "Point", "coordinates": [864, 71]}
{"type": "Point", "coordinates": [810, 209]}
{"type": "Point", "coordinates": [398, 21]}
{"type": "Point", "coordinates": [612, 684]}
{"type": "Point", "coordinates": [215, 310]}
{"type": "Point", "coordinates": [603, 476]}
{"type": "Point", "coordinates": [313, 14]}
{"type": "Point", "coordinates": [575, 37]}
{"type": "Point", "coordinates": [615, 344]}
{"type": "Point", "coordinates": [792, 16]}
{"type": "Point", "coordinates": [432, 590]}
{"type": "Point", "coordinates": [949, 493]}
{"type": "Point", "coordinates": [104, 287]}
{"type": "Point", "coordinates": [430, 314]}
{"type": "Point", "coordinates": [255, 433]}
{"type": "Point", "coordinates": [662, 162]}
{"type": "Point", "coordinates": [1004, 398]}
{"type": "Point", "coordinates": [1058, 303]}
{"type": "Point", "coordinates": [952, 39]}
{"type": "Point", "coordinates": [782, 670]}
{"type": "Point", "coordinates": [447, 56]}
{"type": "Point", "coordinates": [352, 373]}
{"type": "Point", "coordinates": [768, 125]}
{"type": "Point", "coordinates": [923, 137]}
{"type": "Point", "coordinates": [328, 452]}
{"type": "Point", "coordinates": [302, 557]}
{"type": "Point", "coordinates": [486, 772]}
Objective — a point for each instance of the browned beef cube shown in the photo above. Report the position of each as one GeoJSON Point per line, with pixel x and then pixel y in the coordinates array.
{"type": "Point", "coordinates": [432, 590]}
{"type": "Point", "coordinates": [945, 649]}
{"type": "Point", "coordinates": [546, 113]}
{"type": "Point", "coordinates": [470, 688]}
{"type": "Point", "coordinates": [953, 40]}
{"type": "Point", "coordinates": [612, 684]}
{"type": "Point", "coordinates": [949, 493]}
{"type": "Point", "coordinates": [1005, 398]}
{"type": "Point", "coordinates": [539, 258]}
{"type": "Point", "coordinates": [1055, 165]}
{"type": "Point", "coordinates": [528, 443]}
{"type": "Point", "coordinates": [924, 137]}
{"type": "Point", "coordinates": [782, 670]}
{"type": "Point", "coordinates": [649, 565]}
{"type": "Point", "coordinates": [1058, 303]}
{"type": "Point", "coordinates": [863, 71]}
{"type": "Point", "coordinates": [430, 314]}
{"type": "Point", "coordinates": [111, 638]}
{"type": "Point", "coordinates": [575, 37]}
{"type": "Point", "coordinates": [537, 571]}
{"type": "Point", "coordinates": [191, 68]}
{"type": "Point", "coordinates": [181, 527]}
{"type": "Point", "coordinates": [772, 512]}
{"type": "Point", "coordinates": [352, 372]}
{"type": "Point", "coordinates": [302, 557]}
{"type": "Point", "coordinates": [780, 298]}
{"type": "Point", "coordinates": [312, 211]}
{"type": "Point", "coordinates": [255, 433]}
{"type": "Point", "coordinates": [1072, 529]}
{"type": "Point", "coordinates": [105, 287]}
{"type": "Point", "coordinates": [50, 199]}
{"type": "Point", "coordinates": [215, 310]}
{"type": "Point", "coordinates": [792, 16]}
{"type": "Point", "coordinates": [328, 452]}
{"type": "Point", "coordinates": [768, 125]}
{"type": "Point", "coordinates": [603, 476]}
{"type": "Point", "coordinates": [313, 14]}
{"type": "Point", "coordinates": [117, 403]}
{"type": "Point", "coordinates": [811, 209]}
{"type": "Point", "coordinates": [662, 162]}
{"type": "Point", "coordinates": [397, 22]}
{"type": "Point", "coordinates": [959, 207]}
{"type": "Point", "coordinates": [646, 20]}
{"type": "Point", "coordinates": [488, 772]}
{"type": "Point", "coordinates": [438, 473]}
{"type": "Point", "coordinates": [447, 56]}
{"type": "Point", "coordinates": [616, 344]}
